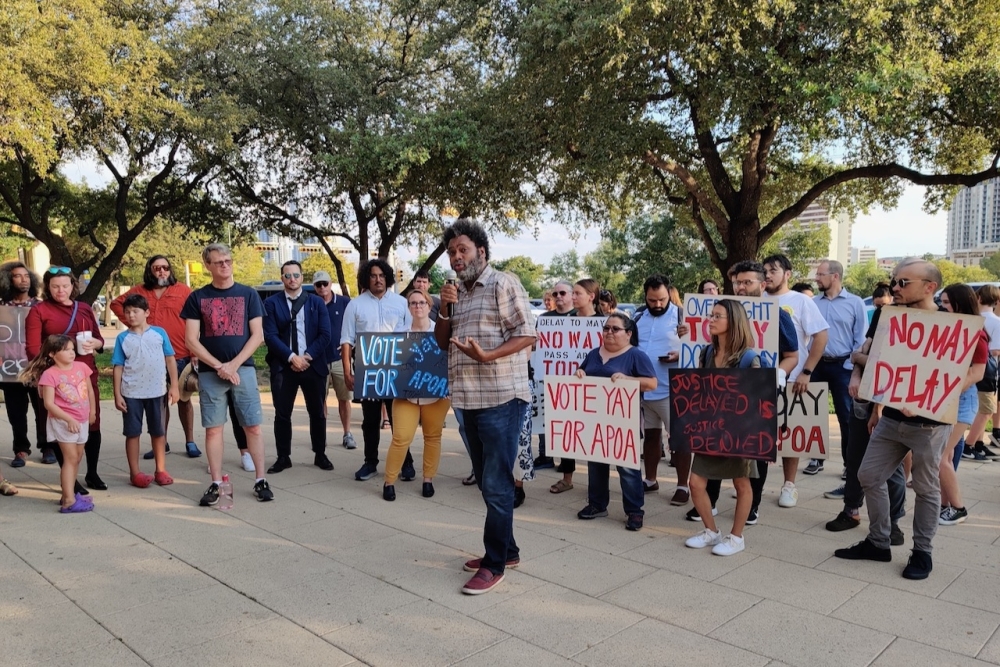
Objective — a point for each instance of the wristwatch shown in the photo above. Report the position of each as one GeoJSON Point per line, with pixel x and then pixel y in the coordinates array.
{"type": "Point", "coordinates": [807, 371]}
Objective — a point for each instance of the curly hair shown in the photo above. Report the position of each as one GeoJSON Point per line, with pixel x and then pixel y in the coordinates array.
{"type": "Point", "coordinates": [365, 273]}
{"type": "Point", "coordinates": [7, 292]}
{"type": "Point", "coordinates": [469, 227]}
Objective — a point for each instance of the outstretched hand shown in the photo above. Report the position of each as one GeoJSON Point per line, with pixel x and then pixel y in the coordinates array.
{"type": "Point", "coordinates": [472, 349]}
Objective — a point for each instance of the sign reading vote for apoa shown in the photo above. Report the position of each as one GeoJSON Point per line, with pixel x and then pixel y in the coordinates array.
{"type": "Point", "coordinates": [399, 365]}
{"type": "Point", "coordinates": [919, 359]}
{"type": "Point", "coordinates": [763, 314]}
{"type": "Point", "coordinates": [593, 419]}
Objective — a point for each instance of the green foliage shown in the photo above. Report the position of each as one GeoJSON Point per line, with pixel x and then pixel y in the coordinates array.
{"type": "Point", "coordinates": [320, 261]}
{"type": "Point", "coordinates": [564, 266]}
{"type": "Point", "coordinates": [801, 246]}
{"type": "Point", "coordinates": [528, 272]}
{"type": "Point", "coordinates": [437, 273]}
{"type": "Point", "coordinates": [860, 279]}
{"type": "Point", "coordinates": [992, 264]}
{"type": "Point", "coordinates": [953, 273]}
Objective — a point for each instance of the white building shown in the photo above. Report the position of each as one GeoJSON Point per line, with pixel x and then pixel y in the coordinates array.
{"type": "Point", "coordinates": [862, 255]}
{"type": "Point", "coordinates": [841, 231]}
{"type": "Point", "coordinates": [974, 223]}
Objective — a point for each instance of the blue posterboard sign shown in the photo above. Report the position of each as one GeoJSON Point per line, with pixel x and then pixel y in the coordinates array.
{"type": "Point", "coordinates": [400, 365]}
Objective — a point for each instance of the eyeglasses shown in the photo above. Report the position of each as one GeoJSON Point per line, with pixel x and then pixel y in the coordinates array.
{"type": "Point", "coordinates": [160, 267]}
{"type": "Point", "coordinates": [321, 284]}
{"type": "Point", "coordinates": [60, 270]}
{"type": "Point", "coordinates": [610, 329]}
{"type": "Point", "coordinates": [744, 283]}
{"type": "Point", "coordinates": [223, 262]}
{"type": "Point", "coordinates": [822, 275]}
{"type": "Point", "coordinates": [418, 303]}
{"type": "Point", "coordinates": [562, 293]}
{"type": "Point", "coordinates": [716, 316]}
{"type": "Point", "coordinates": [903, 283]}
{"type": "Point", "coordinates": [289, 276]}
{"type": "Point", "coordinates": [376, 276]}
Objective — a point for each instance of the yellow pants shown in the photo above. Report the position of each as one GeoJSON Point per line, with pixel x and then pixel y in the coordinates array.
{"type": "Point", "coordinates": [405, 417]}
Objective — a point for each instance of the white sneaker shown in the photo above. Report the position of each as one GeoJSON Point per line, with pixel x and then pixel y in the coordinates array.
{"type": "Point", "coordinates": [789, 495]}
{"type": "Point", "coordinates": [706, 538]}
{"type": "Point", "coordinates": [728, 546]}
{"type": "Point", "coordinates": [247, 462]}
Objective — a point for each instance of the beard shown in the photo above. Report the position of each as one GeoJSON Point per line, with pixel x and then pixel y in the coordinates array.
{"type": "Point", "coordinates": [656, 312]}
{"type": "Point", "coordinates": [163, 282]}
{"type": "Point", "coordinates": [472, 270]}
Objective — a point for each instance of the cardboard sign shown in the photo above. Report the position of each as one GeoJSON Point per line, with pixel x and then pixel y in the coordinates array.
{"type": "Point", "coordinates": [593, 419]}
{"type": "Point", "coordinates": [763, 314]}
{"type": "Point", "coordinates": [724, 412]}
{"type": "Point", "coordinates": [804, 422]}
{"type": "Point", "coordinates": [562, 345]}
{"type": "Point", "coordinates": [400, 365]}
{"type": "Point", "coordinates": [918, 361]}
{"type": "Point", "coordinates": [13, 358]}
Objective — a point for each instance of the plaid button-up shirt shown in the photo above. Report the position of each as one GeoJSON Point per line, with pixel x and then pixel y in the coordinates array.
{"type": "Point", "coordinates": [495, 310]}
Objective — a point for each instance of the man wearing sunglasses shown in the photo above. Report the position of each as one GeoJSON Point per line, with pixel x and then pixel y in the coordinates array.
{"type": "Point", "coordinates": [166, 298]}
{"type": "Point", "coordinates": [894, 433]}
{"type": "Point", "coordinates": [562, 294]}
{"type": "Point", "coordinates": [297, 334]}
{"type": "Point", "coordinates": [336, 306]}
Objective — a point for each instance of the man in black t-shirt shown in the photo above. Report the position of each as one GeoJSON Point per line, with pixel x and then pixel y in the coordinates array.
{"type": "Point", "coordinates": [223, 328]}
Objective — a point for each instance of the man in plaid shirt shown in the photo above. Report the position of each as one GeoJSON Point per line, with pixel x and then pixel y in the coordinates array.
{"type": "Point", "coordinates": [488, 339]}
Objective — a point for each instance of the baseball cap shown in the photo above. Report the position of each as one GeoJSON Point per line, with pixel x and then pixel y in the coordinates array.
{"type": "Point", "coordinates": [322, 277]}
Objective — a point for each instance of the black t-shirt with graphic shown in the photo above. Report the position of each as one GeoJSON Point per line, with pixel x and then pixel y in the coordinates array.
{"type": "Point", "coordinates": [225, 316]}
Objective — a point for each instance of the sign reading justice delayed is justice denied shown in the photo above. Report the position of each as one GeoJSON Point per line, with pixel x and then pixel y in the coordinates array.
{"type": "Point", "coordinates": [400, 365]}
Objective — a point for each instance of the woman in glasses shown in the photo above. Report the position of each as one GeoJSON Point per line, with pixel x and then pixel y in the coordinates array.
{"type": "Point", "coordinates": [617, 359]}
{"type": "Point", "coordinates": [407, 413]}
{"type": "Point", "coordinates": [731, 347]}
{"type": "Point", "coordinates": [61, 313]}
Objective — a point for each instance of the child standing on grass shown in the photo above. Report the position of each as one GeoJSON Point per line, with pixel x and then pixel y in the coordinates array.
{"type": "Point", "coordinates": [142, 360]}
{"type": "Point", "coordinates": [64, 384]}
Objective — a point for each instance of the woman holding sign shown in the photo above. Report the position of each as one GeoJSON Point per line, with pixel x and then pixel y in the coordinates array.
{"type": "Point", "coordinates": [731, 347]}
{"type": "Point", "coordinates": [429, 413]}
{"type": "Point", "coordinates": [961, 299]}
{"type": "Point", "coordinates": [617, 359]}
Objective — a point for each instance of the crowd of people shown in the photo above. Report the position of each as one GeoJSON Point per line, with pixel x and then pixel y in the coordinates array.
{"type": "Point", "coordinates": [176, 338]}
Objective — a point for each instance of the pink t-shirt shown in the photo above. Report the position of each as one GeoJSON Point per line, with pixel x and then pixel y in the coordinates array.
{"type": "Point", "coordinates": [72, 389]}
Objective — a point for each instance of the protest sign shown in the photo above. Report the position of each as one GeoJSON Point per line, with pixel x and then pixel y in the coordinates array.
{"type": "Point", "coordinates": [919, 359]}
{"type": "Point", "coordinates": [13, 358]}
{"type": "Point", "coordinates": [804, 422]}
{"type": "Point", "coordinates": [400, 365]}
{"type": "Point", "coordinates": [724, 412]}
{"type": "Point", "coordinates": [763, 314]}
{"type": "Point", "coordinates": [593, 419]}
{"type": "Point", "coordinates": [561, 346]}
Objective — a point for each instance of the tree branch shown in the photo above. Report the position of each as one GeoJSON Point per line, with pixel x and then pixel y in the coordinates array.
{"type": "Point", "coordinates": [690, 184]}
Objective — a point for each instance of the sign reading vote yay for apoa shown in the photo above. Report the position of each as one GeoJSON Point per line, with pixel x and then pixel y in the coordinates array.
{"type": "Point", "coordinates": [724, 412]}
{"type": "Point", "coordinates": [400, 365]}
{"type": "Point", "coordinates": [919, 359]}
{"type": "Point", "coordinates": [763, 315]}
{"type": "Point", "coordinates": [593, 419]}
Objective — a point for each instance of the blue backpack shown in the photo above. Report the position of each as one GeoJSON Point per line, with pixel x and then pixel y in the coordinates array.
{"type": "Point", "coordinates": [746, 361]}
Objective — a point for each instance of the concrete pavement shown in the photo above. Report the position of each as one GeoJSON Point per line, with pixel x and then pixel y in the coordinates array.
{"type": "Point", "coordinates": [330, 574]}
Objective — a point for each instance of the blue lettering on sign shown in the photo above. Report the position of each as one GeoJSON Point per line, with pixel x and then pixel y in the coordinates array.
{"type": "Point", "coordinates": [430, 383]}
{"type": "Point", "coordinates": [382, 381]}
{"type": "Point", "coordinates": [381, 351]}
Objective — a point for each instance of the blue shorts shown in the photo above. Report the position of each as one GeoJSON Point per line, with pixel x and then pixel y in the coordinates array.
{"type": "Point", "coordinates": [968, 405]}
{"type": "Point", "coordinates": [213, 397]}
{"type": "Point", "coordinates": [132, 420]}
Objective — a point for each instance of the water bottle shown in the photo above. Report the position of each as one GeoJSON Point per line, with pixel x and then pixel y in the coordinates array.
{"type": "Point", "coordinates": [226, 494]}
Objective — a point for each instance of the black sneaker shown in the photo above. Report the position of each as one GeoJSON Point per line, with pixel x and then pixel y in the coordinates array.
{"type": "Point", "coordinates": [753, 517]}
{"type": "Point", "coordinates": [692, 514]}
{"type": "Point", "coordinates": [864, 550]}
{"type": "Point", "coordinates": [211, 496]}
{"type": "Point", "coordinates": [896, 537]}
{"type": "Point", "coordinates": [996, 434]}
{"type": "Point", "coordinates": [543, 462]}
{"type": "Point", "coordinates": [407, 473]}
{"type": "Point", "coordinates": [518, 496]}
{"type": "Point", "coordinates": [952, 516]}
{"type": "Point", "coordinates": [968, 452]}
{"type": "Point", "coordinates": [365, 472]}
{"type": "Point", "coordinates": [919, 567]}
{"type": "Point", "coordinates": [262, 491]}
{"type": "Point", "coordinates": [844, 521]}
{"type": "Point", "coordinates": [815, 467]}
{"type": "Point", "coordinates": [983, 454]}
{"type": "Point", "coordinates": [634, 522]}
{"type": "Point", "coordinates": [591, 512]}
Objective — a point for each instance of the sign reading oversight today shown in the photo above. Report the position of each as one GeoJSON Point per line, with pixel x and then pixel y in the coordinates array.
{"type": "Point", "coordinates": [763, 314]}
{"type": "Point", "coordinates": [918, 361]}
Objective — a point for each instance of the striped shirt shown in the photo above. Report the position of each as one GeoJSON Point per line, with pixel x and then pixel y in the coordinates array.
{"type": "Point", "coordinates": [493, 312]}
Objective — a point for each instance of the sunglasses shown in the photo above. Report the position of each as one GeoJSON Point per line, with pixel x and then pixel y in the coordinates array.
{"type": "Point", "coordinates": [158, 269]}
{"type": "Point", "coordinates": [289, 276]}
{"type": "Point", "coordinates": [322, 284]}
{"type": "Point", "coordinates": [608, 329]}
{"type": "Point", "coordinates": [563, 293]}
{"type": "Point", "coordinates": [60, 270]}
{"type": "Point", "coordinates": [903, 283]}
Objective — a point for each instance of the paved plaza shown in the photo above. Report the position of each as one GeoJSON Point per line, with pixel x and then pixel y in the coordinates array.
{"type": "Point", "coordinates": [330, 574]}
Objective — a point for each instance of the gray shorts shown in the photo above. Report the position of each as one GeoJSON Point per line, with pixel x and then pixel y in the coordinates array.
{"type": "Point", "coordinates": [656, 414]}
{"type": "Point", "coordinates": [214, 402]}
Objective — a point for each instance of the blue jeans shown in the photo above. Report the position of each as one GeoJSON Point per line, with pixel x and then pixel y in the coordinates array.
{"type": "Point", "coordinates": [837, 377]}
{"type": "Point", "coordinates": [598, 493]}
{"type": "Point", "coordinates": [492, 435]}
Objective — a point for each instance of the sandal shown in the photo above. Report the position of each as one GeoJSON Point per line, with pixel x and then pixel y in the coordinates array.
{"type": "Point", "coordinates": [7, 489]}
{"type": "Point", "coordinates": [385, 423]}
{"type": "Point", "coordinates": [142, 480]}
{"type": "Point", "coordinates": [470, 480]}
{"type": "Point", "coordinates": [163, 479]}
{"type": "Point", "coordinates": [77, 507]}
{"type": "Point", "coordinates": [560, 486]}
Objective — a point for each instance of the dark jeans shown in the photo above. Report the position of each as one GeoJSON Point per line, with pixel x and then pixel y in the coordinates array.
{"type": "Point", "coordinates": [857, 446]}
{"type": "Point", "coordinates": [371, 429]}
{"type": "Point", "coordinates": [714, 486]}
{"type": "Point", "coordinates": [493, 440]}
{"type": "Point", "coordinates": [599, 494]}
{"type": "Point", "coordinates": [566, 465]}
{"type": "Point", "coordinates": [313, 387]}
{"type": "Point", "coordinates": [837, 377]}
{"type": "Point", "coordinates": [17, 397]}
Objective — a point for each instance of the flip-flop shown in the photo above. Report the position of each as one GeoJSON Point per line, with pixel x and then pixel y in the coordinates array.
{"type": "Point", "coordinates": [142, 480]}
{"type": "Point", "coordinates": [7, 489]}
{"type": "Point", "coordinates": [163, 479]}
{"type": "Point", "coordinates": [77, 507]}
{"type": "Point", "coordinates": [560, 486]}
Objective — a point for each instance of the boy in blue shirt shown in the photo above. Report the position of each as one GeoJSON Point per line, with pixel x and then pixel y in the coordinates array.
{"type": "Point", "coordinates": [142, 360]}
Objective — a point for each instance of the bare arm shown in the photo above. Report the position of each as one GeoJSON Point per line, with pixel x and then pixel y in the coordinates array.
{"type": "Point", "coordinates": [192, 338]}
